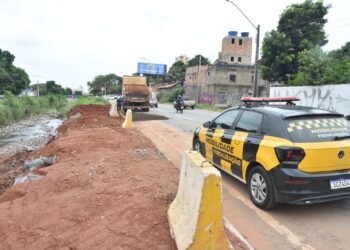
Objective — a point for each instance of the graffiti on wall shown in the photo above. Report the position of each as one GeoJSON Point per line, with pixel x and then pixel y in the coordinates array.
{"type": "Point", "coordinates": [207, 98]}
{"type": "Point", "coordinates": [224, 97]}
{"type": "Point", "coordinates": [329, 97]}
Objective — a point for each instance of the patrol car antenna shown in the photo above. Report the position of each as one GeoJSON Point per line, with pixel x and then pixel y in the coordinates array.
{"type": "Point", "coordinates": [247, 100]}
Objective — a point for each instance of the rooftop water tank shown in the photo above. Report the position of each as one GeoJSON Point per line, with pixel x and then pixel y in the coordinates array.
{"type": "Point", "coordinates": [245, 34]}
{"type": "Point", "coordinates": [232, 33]}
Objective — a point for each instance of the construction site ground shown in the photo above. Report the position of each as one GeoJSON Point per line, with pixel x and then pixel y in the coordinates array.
{"type": "Point", "coordinates": [110, 189]}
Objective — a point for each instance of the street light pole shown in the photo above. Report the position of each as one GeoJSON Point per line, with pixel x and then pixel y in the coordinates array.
{"type": "Point", "coordinates": [257, 28]}
{"type": "Point", "coordinates": [255, 89]}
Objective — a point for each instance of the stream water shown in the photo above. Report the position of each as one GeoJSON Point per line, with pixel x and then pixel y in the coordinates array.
{"type": "Point", "coordinates": [29, 134]}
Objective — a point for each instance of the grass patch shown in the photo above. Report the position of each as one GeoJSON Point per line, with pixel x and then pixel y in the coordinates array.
{"type": "Point", "coordinates": [14, 108]}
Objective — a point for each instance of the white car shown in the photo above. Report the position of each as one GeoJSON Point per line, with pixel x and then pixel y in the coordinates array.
{"type": "Point", "coordinates": [187, 103]}
{"type": "Point", "coordinates": [153, 103]}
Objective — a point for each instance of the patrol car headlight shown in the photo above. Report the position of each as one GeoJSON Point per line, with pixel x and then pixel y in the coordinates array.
{"type": "Point", "coordinates": [290, 154]}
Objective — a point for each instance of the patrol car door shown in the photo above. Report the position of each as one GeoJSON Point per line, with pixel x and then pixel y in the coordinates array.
{"type": "Point", "coordinates": [246, 140]}
{"type": "Point", "coordinates": [220, 138]}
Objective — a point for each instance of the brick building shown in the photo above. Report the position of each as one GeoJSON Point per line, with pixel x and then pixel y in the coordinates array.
{"type": "Point", "coordinates": [196, 75]}
{"type": "Point", "coordinates": [232, 74]}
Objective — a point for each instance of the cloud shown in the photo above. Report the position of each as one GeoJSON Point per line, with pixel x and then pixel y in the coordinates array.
{"type": "Point", "coordinates": [73, 41]}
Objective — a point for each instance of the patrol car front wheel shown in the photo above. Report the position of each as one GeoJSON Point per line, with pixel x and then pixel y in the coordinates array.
{"type": "Point", "coordinates": [197, 146]}
{"type": "Point", "coordinates": [260, 188]}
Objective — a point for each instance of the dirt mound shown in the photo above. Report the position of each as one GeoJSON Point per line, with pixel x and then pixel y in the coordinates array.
{"type": "Point", "coordinates": [10, 168]}
{"type": "Point", "coordinates": [110, 190]}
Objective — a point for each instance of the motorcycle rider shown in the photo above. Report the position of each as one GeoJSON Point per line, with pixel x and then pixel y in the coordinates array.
{"type": "Point", "coordinates": [178, 103]}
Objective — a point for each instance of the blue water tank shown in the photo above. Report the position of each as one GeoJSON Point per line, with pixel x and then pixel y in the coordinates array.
{"type": "Point", "coordinates": [232, 33]}
{"type": "Point", "coordinates": [245, 34]}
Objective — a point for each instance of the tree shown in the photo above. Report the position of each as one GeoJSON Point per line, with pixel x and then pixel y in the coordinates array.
{"type": "Point", "coordinates": [313, 68]}
{"type": "Point", "coordinates": [339, 68]}
{"type": "Point", "coordinates": [20, 79]}
{"type": "Point", "coordinates": [53, 88]}
{"type": "Point", "coordinates": [78, 92]}
{"type": "Point", "coordinates": [277, 59]}
{"type": "Point", "coordinates": [12, 78]}
{"type": "Point", "coordinates": [110, 82]}
{"type": "Point", "coordinates": [342, 53]}
{"type": "Point", "coordinates": [302, 25]}
{"type": "Point", "coordinates": [317, 67]}
{"type": "Point", "coordinates": [198, 59]}
{"type": "Point", "coordinates": [68, 91]}
{"type": "Point", "coordinates": [6, 59]}
{"type": "Point", "coordinates": [178, 71]}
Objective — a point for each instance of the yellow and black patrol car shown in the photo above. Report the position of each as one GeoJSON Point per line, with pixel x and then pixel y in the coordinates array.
{"type": "Point", "coordinates": [284, 153]}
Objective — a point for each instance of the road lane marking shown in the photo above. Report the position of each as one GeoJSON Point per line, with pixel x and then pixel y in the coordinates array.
{"type": "Point", "coordinates": [275, 224]}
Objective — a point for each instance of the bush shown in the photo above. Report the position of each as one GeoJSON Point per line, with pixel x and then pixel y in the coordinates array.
{"type": "Point", "coordinates": [170, 97]}
{"type": "Point", "coordinates": [14, 108]}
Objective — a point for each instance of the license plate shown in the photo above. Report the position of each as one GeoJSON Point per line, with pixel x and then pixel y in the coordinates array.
{"type": "Point", "coordinates": [340, 183]}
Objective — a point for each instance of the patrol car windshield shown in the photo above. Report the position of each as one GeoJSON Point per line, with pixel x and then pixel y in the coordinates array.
{"type": "Point", "coordinates": [318, 129]}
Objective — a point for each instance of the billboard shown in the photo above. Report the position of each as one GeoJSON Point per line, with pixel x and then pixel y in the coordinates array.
{"type": "Point", "coordinates": [151, 68]}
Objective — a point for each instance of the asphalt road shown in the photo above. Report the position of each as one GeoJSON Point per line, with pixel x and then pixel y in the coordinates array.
{"type": "Point", "coordinates": [186, 121]}
{"type": "Point", "coordinates": [319, 226]}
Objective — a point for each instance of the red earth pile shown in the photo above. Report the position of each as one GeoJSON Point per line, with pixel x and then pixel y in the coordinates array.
{"type": "Point", "coordinates": [110, 189]}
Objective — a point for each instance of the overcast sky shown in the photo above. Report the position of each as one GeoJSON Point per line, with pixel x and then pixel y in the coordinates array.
{"type": "Point", "coordinates": [71, 41]}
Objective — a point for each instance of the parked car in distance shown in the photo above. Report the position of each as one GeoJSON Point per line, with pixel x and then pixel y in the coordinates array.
{"type": "Point", "coordinates": [153, 102]}
{"type": "Point", "coordinates": [188, 103]}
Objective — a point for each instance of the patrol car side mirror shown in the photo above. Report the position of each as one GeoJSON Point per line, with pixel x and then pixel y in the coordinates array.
{"type": "Point", "coordinates": [207, 124]}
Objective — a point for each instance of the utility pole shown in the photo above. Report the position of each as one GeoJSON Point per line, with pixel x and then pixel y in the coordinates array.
{"type": "Point", "coordinates": [199, 67]}
{"type": "Point", "coordinates": [38, 88]}
{"type": "Point", "coordinates": [256, 68]}
{"type": "Point", "coordinates": [157, 79]}
{"type": "Point", "coordinates": [255, 89]}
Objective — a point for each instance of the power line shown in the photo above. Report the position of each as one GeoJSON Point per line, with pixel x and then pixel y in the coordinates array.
{"type": "Point", "coordinates": [341, 12]}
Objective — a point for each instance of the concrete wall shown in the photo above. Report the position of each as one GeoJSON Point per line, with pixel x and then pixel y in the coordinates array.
{"type": "Point", "coordinates": [196, 75]}
{"type": "Point", "coordinates": [225, 96]}
{"type": "Point", "coordinates": [329, 97]}
{"type": "Point", "coordinates": [220, 74]}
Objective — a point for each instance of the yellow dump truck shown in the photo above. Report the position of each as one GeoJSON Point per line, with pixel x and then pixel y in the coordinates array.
{"type": "Point", "coordinates": [136, 94]}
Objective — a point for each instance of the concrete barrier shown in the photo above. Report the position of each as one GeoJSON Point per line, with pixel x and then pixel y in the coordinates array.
{"type": "Point", "coordinates": [128, 119]}
{"type": "Point", "coordinates": [113, 112]}
{"type": "Point", "coordinates": [195, 216]}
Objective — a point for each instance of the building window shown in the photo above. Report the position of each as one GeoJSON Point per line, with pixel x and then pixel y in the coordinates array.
{"type": "Point", "coordinates": [252, 79]}
{"type": "Point", "coordinates": [232, 58]}
{"type": "Point", "coordinates": [232, 41]}
{"type": "Point", "coordinates": [208, 73]}
{"type": "Point", "coordinates": [240, 42]}
{"type": "Point", "coordinates": [232, 78]}
{"type": "Point", "coordinates": [239, 59]}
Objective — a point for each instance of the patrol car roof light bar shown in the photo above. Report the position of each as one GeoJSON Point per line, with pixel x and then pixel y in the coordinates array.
{"type": "Point", "coordinates": [288, 99]}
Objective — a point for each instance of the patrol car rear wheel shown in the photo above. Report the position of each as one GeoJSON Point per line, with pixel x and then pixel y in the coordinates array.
{"type": "Point", "coordinates": [260, 188]}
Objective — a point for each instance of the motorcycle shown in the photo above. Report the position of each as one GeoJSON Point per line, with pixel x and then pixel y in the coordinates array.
{"type": "Point", "coordinates": [179, 107]}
